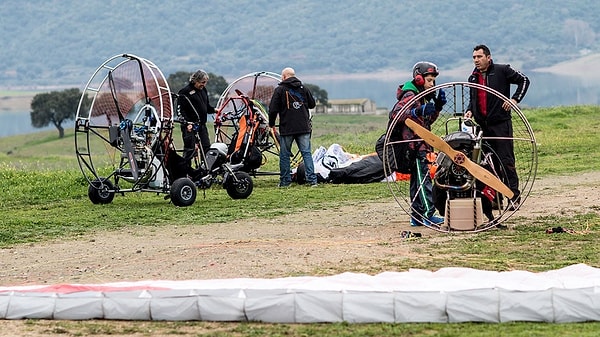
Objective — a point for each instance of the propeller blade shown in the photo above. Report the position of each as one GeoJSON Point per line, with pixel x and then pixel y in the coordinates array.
{"type": "Point", "coordinates": [460, 159]}
{"type": "Point", "coordinates": [126, 127]}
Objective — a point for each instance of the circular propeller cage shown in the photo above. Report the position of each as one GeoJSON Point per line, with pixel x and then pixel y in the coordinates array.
{"type": "Point", "coordinates": [246, 97]}
{"type": "Point", "coordinates": [258, 86]}
{"type": "Point", "coordinates": [242, 117]}
{"type": "Point", "coordinates": [125, 111]}
{"type": "Point", "coordinates": [472, 209]}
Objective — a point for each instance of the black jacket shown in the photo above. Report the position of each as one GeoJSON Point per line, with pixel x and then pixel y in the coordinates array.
{"type": "Point", "coordinates": [499, 77]}
{"type": "Point", "coordinates": [291, 101]}
{"type": "Point", "coordinates": [198, 106]}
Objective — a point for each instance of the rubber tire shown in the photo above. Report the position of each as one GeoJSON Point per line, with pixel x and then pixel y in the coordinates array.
{"type": "Point", "coordinates": [183, 192]}
{"type": "Point", "coordinates": [101, 191]}
{"type": "Point", "coordinates": [240, 187]}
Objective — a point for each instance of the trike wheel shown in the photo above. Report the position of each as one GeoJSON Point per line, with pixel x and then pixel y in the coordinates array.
{"type": "Point", "coordinates": [239, 185]}
{"type": "Point", "coordinates": [183, 192]}
{"type": "Point", "coordinates": [101, 191]}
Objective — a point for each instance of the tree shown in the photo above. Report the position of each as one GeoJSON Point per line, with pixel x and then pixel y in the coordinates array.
{"type": "Point", "coordinates": [319, 94]}
{"type": "Point", "coordinates": [215, 86]}
{"type": "Point", "coordinates": [54, 108]}
{"type": "Point", "coordinates": [178, 80]}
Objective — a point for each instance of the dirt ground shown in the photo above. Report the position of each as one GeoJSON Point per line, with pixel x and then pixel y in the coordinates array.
{"type": "Point", "coordinates": [318, 242]}
{"type": "Point", "coordinates": [315, 243]}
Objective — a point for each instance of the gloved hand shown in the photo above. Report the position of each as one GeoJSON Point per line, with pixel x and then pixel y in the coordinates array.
{"type": "Point", "coordinates": [425, 110]}
{"type": "Point", "coordinates": [126, 124]}
{"type": "Point", "coordinates": [440, 100]}
{"type": "Point", "coordinates": [429, 110]}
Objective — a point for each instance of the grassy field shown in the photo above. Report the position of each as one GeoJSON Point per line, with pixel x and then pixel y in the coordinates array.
{"type": "Point", "coordinates": [44, 196]}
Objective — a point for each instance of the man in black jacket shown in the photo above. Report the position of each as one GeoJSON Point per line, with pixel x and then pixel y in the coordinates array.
{"type": "Point", "coordinates": [291, 101]}
{"type": "Point", "coordinates": [493, 114]}
{"type": "Point", "coordinates": [193, 108]}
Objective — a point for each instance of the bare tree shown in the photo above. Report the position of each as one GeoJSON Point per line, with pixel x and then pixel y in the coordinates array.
{"type": "Point", "coordinates": [583, 35]}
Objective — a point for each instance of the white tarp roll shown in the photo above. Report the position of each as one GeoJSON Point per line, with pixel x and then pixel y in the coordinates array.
{"type": "Point", "coordinates": [570, 294]}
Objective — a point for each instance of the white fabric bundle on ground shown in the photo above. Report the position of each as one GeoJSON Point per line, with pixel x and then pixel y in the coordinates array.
{"type": "Point", "coordinates": [569, 294]}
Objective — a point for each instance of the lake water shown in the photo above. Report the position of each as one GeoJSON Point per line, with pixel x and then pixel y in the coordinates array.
{"type": "Point", "coordinates": [546, 90]}
{"type": "Point", "coordinates": [16, 123]}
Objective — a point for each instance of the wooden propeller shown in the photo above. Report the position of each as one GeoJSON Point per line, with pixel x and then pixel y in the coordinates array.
{"type": "Point", "coordinates": [460, 159]}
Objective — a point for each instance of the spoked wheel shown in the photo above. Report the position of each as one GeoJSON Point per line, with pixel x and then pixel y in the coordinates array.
{"type": "Point", "coordinates": [239, 185]}
{"type": "Point", "coordinates": [183, 192]}
{"type": "Point", "coordinates": [464, 181]}
{"type": "Point", "coordinates": [101, 191]}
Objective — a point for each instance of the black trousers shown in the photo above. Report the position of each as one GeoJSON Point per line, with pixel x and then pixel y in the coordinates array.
{"type": "Point", "coordinates": [190, 139]}
{"type": "Point", "coordinates": [504, 148]}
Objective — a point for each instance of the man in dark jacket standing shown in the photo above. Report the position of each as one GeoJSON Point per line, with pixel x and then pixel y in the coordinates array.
{"type": "Point", "coordinates": [494, 114]}
{"type": "Point", "coordinates": [291, 101]}
{"type": "Point", "coordinates": [193, 108]}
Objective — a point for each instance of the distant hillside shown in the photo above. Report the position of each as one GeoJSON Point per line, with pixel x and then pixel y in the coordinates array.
{"type": "Point", "coordinates": [57, 42]}
{"type": "Point", "coordinates": [15, 103]}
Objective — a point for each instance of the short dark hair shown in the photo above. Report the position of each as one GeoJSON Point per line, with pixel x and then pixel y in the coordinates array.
{"type": "Point", "coordinates": [486, 50]}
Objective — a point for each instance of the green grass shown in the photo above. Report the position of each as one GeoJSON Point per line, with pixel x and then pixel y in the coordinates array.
{"type": "Point", "coordinates": [567, 138]}
{"type": "Point", "coordinates": [39, 175]}
{"type": "Point", "coordinates": [214, 329]}
{"type": "Point", "coordinates": [45, 197]}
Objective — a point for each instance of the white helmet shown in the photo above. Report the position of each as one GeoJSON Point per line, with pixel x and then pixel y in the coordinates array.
{"type": "Point", "coordinates": [220, 147]}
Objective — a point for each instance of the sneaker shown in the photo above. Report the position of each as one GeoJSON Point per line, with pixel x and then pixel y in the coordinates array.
{"type": "Point", "coordinates": [415, 223]}
{"type": "Point", "coordinates": [314, 185]}
{"type": "Point", "coordinates": [434, 220]}
{"type": "Point", "coordinates": [514, 203]}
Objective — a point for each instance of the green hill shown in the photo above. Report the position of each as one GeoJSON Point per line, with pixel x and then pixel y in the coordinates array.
{"type": "Point", "coordinates": [62, 42]}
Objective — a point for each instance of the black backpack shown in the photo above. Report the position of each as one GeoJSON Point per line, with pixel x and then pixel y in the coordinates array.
{"type": "Point", "coordinates": [400, 156]}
